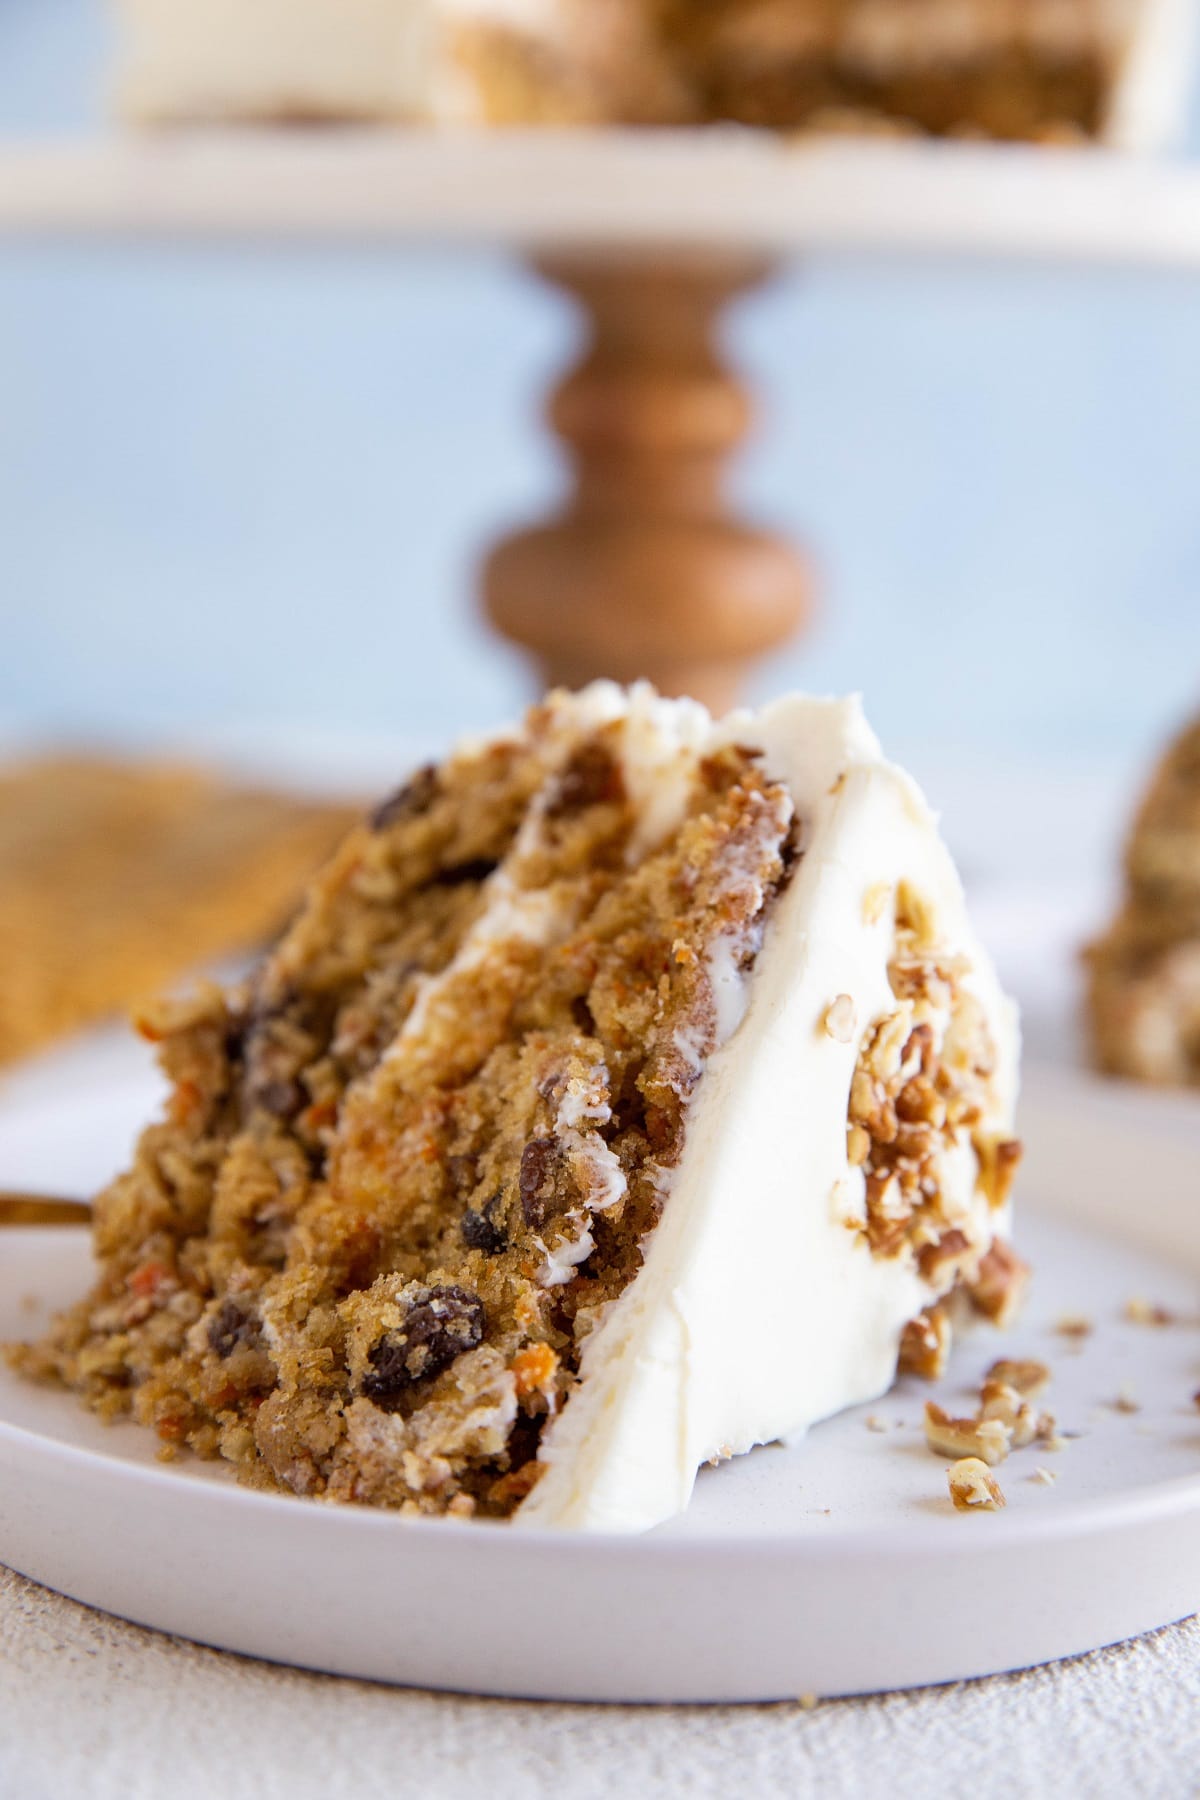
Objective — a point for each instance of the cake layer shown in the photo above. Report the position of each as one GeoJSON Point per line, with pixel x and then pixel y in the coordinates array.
{"type": "Point", "coordinates": [629, 1091]}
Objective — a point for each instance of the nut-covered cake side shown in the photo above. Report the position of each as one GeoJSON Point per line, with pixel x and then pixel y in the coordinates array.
{"type": "Point", "coordinates": [846, 1162]}
{"type": "Point", "coordinates": [920, 1096]}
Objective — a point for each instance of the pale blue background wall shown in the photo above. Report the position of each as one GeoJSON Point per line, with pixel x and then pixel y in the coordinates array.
{"type": "Point", "coordinates": [248, 489]}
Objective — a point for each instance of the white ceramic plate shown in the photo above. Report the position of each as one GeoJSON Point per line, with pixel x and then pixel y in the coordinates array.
{"type": "Point", "coordinates": [833, 1567]}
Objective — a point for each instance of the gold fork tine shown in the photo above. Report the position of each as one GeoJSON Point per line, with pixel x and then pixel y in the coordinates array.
{"type": "Point", "coordinates": [42, 1209]}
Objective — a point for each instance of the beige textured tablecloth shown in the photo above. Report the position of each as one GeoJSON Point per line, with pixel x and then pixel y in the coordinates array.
{"type": "Point", "coordinates": [93, 1709]}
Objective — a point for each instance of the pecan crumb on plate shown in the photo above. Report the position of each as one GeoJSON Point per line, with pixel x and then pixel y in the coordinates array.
{"type": "Point", "coordinates": [973, 1487]}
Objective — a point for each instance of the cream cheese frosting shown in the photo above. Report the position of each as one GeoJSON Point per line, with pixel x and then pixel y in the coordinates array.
{"type": "Point", "coordinates": [759, 1310]}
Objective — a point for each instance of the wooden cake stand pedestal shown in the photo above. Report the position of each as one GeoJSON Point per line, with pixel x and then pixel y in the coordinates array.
{"type": "Point", "coordinates": [645, 572]}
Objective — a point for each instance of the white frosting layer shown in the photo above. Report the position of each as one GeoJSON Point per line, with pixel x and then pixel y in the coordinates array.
{"type": "Point", "coordinates": [218, 59]}
{"type": "Point", "coordinates": [758, 1311]}
{"type": "Point", "coordinates": [1149, 103]}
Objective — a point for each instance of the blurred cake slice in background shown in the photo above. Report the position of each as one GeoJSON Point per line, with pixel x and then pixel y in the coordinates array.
{"type": "Point", "coordinates": [117, 878]}
{"type": "Point", "coordinates": [630, 1090]}
{"type": "Point", "coordinates": [1115, 70]}
{"type": "Point", "coordinates": [1144, 973]}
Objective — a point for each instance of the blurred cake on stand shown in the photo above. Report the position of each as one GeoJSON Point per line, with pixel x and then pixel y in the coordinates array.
{"type": "Point", "coordinates": [609, 182]}
{"type": "Point", "coordinates": [1012, 69]}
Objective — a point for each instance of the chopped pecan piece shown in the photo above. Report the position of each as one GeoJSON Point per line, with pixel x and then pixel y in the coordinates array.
{"type": "Point", "coordinates": [858, 1146]}
{"type": "Point", "coordinates": [1139, 1311]}
{"type": "Point", "coordinates": [939, 1261]}
{"type": "Point", "coordinates": [999, 1162]}
{"type": "Point", "coordinates": [1020, 1416]}
{"type": "Point", "coordinates": [999, 1288]}
{"type": "Point", "coordinates": [987, 1439]}
{"type": "Point", "coordinates": [1029, 1377]}
{"type": "Point", "coordinates": [925, 1344]}
{"type": "Point", "coordinates": [973, 1488]}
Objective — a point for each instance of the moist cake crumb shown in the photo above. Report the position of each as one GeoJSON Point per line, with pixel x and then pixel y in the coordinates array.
{"type": "Point", "coordinates": [1004, 1420]}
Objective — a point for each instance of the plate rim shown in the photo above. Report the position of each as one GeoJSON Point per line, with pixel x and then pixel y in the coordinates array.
{"type": "Point", "coordinates": [1109, 1565]}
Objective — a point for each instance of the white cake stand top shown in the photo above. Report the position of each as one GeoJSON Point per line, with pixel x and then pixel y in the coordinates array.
{"type": "Point", "coordinates": [571, 190]}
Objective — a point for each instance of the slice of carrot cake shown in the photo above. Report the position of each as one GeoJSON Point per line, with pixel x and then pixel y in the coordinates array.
{"type": "Point", "coordinates": [630, 1091]}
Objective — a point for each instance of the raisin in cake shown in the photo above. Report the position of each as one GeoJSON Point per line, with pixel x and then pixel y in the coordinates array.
{"type": "Point", "coordinates": [630, 1091]}
{"type": "Point", "coordinates": [1115, 69]}
{"type": "Point", "coordinates": [1144, 973]}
